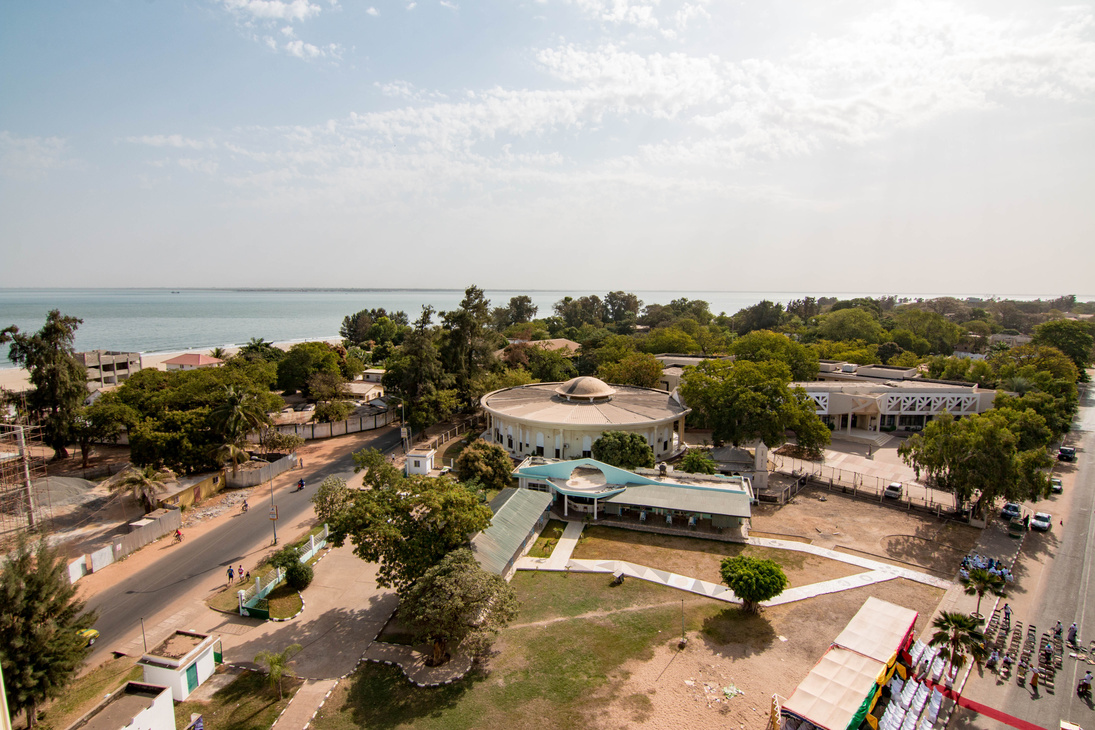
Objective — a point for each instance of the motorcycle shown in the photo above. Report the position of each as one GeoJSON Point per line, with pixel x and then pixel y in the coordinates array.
{"type": "Point", "coordinates": [300, 486]}
{"type": "Point", "coordinates": [244, 507]}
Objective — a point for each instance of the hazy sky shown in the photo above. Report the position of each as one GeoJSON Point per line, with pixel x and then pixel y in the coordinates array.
{"type": "Point", "coordinates": [580, 144]}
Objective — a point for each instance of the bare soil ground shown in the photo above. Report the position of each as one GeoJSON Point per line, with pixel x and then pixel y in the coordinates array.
{"type": "Point", "coordinates": [698, 558]}
{"type": "Point", "coordinates": [833, 520]}
{"type": "Point", "coordinates": [767, 654]}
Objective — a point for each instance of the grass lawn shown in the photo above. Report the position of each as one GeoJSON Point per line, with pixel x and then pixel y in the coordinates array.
{"type": "Point", "coordinates": [548, 538]}
{"type": "Point", "coordinates": [87, 691]}
{"type": "Point", "coordinates": [583, 672]}
{"type": "Point", "coordinates": [699, 558]}
{"type": "Point", "coordinates": [248, 703]}
{"type": "Point", "coordinates": [554, 675]}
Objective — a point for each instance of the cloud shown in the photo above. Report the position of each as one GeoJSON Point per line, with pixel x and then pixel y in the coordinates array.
{"type": "Point", "coordinates": [411, 6]}
{"type": "Point", "coordinates": [373, 12]}
{"type": "Point", "coordinates": [449, 5]}
{"type": "Point", "coordinates": [32, 157]}
{"type": "Point", "coordinates": [171, 140]}
{"type": "Point", "coordinates": [290, 10]}
{"type": "Point", "coordinates": [670, 122]}
{"type": "Point", "coordinates": [208, 167]}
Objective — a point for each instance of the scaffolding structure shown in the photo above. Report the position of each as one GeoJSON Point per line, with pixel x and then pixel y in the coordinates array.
{"type": "Point", "coordinates": [22, 465]}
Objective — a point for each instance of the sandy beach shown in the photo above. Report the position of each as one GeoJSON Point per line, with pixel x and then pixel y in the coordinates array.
{"type": "Point", "coordinates": [17, 379]}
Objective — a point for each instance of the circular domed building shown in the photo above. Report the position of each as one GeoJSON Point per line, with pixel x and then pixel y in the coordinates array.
{"type": "Point", "coordinates": [562, 420]}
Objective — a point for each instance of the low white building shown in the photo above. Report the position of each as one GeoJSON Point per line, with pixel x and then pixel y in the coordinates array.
{"type": "Point", "coordinates": [181, 663]}
{"type": "Point", "coordinates": [136, 706]}
{"type": "Point", "coordinates": [420, 461]}
{"type": "Point", "coordinates": [562, 420]}
{"type": "Point", "coordinates": [894, 405]}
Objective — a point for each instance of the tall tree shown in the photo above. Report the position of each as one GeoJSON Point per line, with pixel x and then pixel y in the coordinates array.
{"type": "Point", "coordinates": [1071, 337]}
{"type": "Point", "coordinates": [977, 455]}
{"type": "Point", "coordinates": [238, 414]}
{"type": "Point", "coordinates": [745, 401]}
{"type": "Point", "coordinates": [764, 315]}
{"type": "Point", "coordinates": [416, 374]}
{"type": "Point", "coordinates": [765, 345]}
{"type": "Point", "coordinates": [623, 449]}
{"type": "Point", "coordinates": [639, 369]}
{"type": "Point", "coordinates": [982, 582]}
{"type": "Point", "coordinates": [59, 380]}
{"type": "Point", "coordinates": [466, 349]}
{"type": "Point", "coordinates": [959, 635]}
{"type": "Point", "coordinates": [486, 463]}
{"type": "Point", "coordinates": [40, 621]}
{"type": "Point", "coordinates": [456, 601]}
{"type": "Point", "coordinates": [409, 526]}
{"type": "Point", "coordinates": [753, 580]}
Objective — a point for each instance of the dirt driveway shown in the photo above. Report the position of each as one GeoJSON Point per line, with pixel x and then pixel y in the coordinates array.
{"type": "Point", "coordinates": [839, 522]}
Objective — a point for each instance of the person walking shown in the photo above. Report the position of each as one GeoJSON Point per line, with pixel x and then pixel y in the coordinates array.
{"type": "Point", "coordinates": [1007, 616]}
{"type": "Point", "coordinates": [1072, 630]}
{"type": "Point", "coordinates": [1034, 681]}
{"type": "Point", "coordinates": [231, 575]}
{"type": "Point", "coordinates": [239, 573]}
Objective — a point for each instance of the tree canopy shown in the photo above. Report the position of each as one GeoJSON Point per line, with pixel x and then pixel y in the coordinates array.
{"type": "Point", "coordinates": [1070, 336]}
{"type": "Point", "coordinates": [407, 524]}
{"type": "Point", "coordinates": [753, 580]}
{"type": "Point", "coordinates": [744, 401]}
{"type": "Point", "coordinates": [623, 449]}
{"type": "Point", "coordinates": [456, 601]}
{"type": "Point", "coordinates": [698, 461]}
{"type": "Point", "coordinates": [976, 455]}
{"type": "Point", "coordinates": [40, 621]}
{"type": "Point", "coordinates": [642, 370]}
{"type": "Point", "coordinates": [59, 379]}
{"type": "Point", "coordinates": [485, 463]}
{"type": "Point", "coordinates": [765, 345]}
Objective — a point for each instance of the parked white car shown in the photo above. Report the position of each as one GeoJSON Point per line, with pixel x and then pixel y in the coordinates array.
{"type": "Point", "coordinates": [1041, 521]}
{"type": "Point", "coordinates": [894, 490]}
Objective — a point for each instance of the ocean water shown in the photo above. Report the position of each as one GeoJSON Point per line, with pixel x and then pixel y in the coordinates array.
{"type": "Point", "coordinates": [163, 320]}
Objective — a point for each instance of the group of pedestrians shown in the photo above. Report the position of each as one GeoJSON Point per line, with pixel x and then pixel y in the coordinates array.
{"type": "Point", "coordinates": [234, 575]}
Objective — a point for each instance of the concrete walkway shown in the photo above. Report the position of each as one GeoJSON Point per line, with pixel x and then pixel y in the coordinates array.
{"type": "Point", "coordinates": [305, 704]}
{"type": "Point", "coordinates": [413, 664]}
{"type": "Point", "coordinates": [875, 571]}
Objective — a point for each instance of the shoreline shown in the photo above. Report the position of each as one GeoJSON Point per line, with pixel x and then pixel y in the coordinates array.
{"type": "Point", "coordinates": [17, 379]}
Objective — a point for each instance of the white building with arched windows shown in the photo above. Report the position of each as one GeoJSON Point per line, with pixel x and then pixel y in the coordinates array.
{"type": "Point", "coordinates": [562, 420]}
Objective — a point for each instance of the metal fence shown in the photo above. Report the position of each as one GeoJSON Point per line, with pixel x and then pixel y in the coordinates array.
{"type": "Point", "coordinates": [252, 600]}
{"type": "Point", "coordinates": [855, 484]}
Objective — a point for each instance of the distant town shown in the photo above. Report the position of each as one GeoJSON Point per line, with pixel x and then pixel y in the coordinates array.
{"type": "Point", "coordinates": [833, 513]}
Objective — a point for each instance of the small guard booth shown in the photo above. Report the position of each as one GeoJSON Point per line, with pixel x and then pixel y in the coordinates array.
{"type": "Point", "coordinates": [843, 687]}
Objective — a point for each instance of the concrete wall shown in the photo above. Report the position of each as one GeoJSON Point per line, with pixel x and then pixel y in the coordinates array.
{"type": "Point", "coordinates": [255, 477]}
{"type": "Point", "coordinates": [196, 492]}
{"type": "Point", "coordinates": [160, 716]}
{"type": "Point", "coordinates": [174, 678]}
{"type": "Point", "coordinates": [357, 424]}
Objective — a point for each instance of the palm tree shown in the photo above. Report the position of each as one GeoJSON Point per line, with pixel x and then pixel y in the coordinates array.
{"type": "Point", "coordinates": [219, 352]}
{"type": "Point", "coordinates": [238, 414]}
{"type": "Point", "coordinates": [981, 582]}
{"type": "Point", "coordinates": [277, 665]}
{"type": "Point", "coordinates": [959, 635]}
{"type": "Point", "coordinates": [1017, 384]}
{"type": "Point", "coordinates": [260, 349]}
{"type": "Point", "coordinates": [229, 453]}
{"type": "Point", "coordinates": [143, 483]}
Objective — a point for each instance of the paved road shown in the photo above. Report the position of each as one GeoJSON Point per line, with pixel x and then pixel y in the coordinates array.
{"type": "Point", "coordinates": [1056, 580]}
{"type": "Point", "coordinates": [158, 587]}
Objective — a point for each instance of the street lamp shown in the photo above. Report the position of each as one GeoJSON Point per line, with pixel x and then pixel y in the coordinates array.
{"type": "Point", "coordinates": [403, 433]}
{"type": "Point", "coordinates": [273, 512]}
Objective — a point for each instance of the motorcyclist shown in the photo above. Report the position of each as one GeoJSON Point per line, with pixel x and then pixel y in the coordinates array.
{"type": "Point", "coordinates": [244, 507]}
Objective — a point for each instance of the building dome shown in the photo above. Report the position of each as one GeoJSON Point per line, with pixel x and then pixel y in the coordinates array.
{"type": "Point", "coordinates": [586, 388]}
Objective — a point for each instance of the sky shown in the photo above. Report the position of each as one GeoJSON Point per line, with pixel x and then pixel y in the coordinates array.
{"type": "Point", "coordinates": [776, 145]}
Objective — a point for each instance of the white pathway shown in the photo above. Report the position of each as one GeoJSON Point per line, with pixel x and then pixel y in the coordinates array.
{"type": "Point", "coordinates": [875, 571]}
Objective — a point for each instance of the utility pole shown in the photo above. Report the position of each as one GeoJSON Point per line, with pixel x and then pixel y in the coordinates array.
{"type": "Point", "coordinates": [5, 718]}
{"type": "Point", "coordinates": [24, 457]}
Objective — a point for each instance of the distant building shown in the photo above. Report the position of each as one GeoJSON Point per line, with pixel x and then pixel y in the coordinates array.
{"type": "Point", "coordinates": [107, 367]}
{"type": "Point", "coordinates": [562, 420]}
{"type": "Point", "coordinates": [1010, 340]}
{"type": "Point", "coordinates": [373, 375]}
{"type": "Point", "coordinates": [651, 500]}
{"type": "Point", "coordinates": [569, 348]}
{"type": "Point", "coordinates": [192, 361]}
{"type": "Point", "coordinates": [136, 706]}
{"type": "Point", "coordinates": [673, 365]}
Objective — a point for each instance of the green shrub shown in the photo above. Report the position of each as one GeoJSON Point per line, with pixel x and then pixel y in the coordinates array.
{"type": "Point", "coordinates": [299, 575]}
